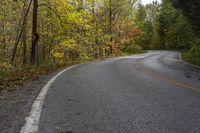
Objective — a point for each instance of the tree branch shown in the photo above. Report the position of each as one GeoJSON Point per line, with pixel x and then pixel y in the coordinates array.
{"type": "Point", "coordinates": [49, 7]}
{"type": "Point", "coordinates": [20, 33]}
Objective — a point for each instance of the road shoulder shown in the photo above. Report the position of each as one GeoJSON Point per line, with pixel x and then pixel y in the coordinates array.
{"type": "Point", "coordinates": [16, 102]}
{"type": "Point", "coordinates": [183, 61]}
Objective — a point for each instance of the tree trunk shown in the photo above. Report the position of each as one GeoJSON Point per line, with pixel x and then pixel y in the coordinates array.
{"type": "Point", "coordinates": [34, 46]}
{"type": "Point", "coordinates": [110, 25]}
{"type": "Point", "coordinates": [24, 36]}
{"type": "Point", "coordinates": [20, 33]}
{"type": "Point", "coordinates": [24, 51]}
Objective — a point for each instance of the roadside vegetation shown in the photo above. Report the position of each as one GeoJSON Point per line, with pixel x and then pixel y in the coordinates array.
{"type": "Point", "coordinates": [192, 56]}
{"type": "Point", "coordinates": [73, 31]}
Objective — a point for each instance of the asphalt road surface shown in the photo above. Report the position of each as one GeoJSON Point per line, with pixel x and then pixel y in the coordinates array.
{"type": "Point", "coordinates": [148, 93]}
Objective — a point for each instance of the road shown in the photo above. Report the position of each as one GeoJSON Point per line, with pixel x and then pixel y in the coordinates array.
{"type": "Point", "coordinates": [149, 93]}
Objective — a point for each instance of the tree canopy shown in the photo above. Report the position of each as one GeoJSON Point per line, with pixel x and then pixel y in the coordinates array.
{"type": "Point", "coordinates": [87, 29]}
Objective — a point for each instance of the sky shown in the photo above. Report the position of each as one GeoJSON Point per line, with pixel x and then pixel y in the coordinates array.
{"type": "Point", "coordinates": [148, 1]}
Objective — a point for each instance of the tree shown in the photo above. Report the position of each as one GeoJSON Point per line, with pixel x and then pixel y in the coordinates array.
{"type": "Point", "coordinates": [174, 30]}
{"type": "Point", "coordinates": [34, 46]}
{"type": "Point", "coordinates": [147, 20]}
{"type": "Point", "coordinates": [191, 9]}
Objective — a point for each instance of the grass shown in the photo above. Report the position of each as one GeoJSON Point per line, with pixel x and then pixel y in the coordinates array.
{"type": "Point", "coordinates": [191, 57]}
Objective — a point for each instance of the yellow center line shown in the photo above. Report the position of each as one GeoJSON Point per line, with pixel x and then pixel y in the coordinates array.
{"type": "Point", "coordinates": [153, 74]}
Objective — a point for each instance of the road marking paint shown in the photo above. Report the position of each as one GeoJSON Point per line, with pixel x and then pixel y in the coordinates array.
{"type": "Point", "coordinates": [32, 122]}
{"type": "Point", "coordinates": [151, 73]}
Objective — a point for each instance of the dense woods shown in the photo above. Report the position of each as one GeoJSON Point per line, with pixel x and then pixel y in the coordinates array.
{"type": "Point", "coordinates": [172, 25]}
{"type": "Point", "coordinates": [80, 30]}
{"type": "Point", "coordinates": [68, 30]}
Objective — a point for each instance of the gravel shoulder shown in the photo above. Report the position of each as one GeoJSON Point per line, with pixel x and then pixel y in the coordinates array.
{"type": "Point", "coordinates": [16, 102]}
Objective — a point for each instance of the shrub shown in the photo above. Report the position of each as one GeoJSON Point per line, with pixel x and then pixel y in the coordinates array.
{"type": "Point", "coordinates": [193, 56]}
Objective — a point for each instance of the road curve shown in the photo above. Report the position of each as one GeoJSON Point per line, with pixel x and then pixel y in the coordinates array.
{"type": "Point", "coordinates": [149, 93]}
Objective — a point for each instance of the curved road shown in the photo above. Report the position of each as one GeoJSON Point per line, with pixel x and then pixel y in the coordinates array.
{"type": "Point", "coordinates": [148, 93]}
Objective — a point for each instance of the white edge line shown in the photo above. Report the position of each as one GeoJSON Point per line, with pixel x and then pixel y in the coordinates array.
{"type": "Point", "coordinates": [32, 121]}
{"type": "Point", "coordinates": [181, 60]}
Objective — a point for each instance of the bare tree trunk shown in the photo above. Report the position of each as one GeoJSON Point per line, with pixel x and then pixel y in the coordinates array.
{"type": "Point", "coordinates": [24, 36]}
{"type": "Point", "coordinates": [110, 17]}
{"type": "Point", "coordinates": [24, 46]}
{"type": "Point", "coordinates": [96, 16]}
{"type": "Point", "coordinates": [20, 34]}
{"type": "Point", "coordinates": [34, 46]}
{"type": "Point", "coordinates": [110, 24]}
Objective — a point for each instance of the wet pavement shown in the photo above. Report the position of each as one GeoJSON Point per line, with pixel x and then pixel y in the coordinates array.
{"type": "Point", "coordinates": [149, 93]}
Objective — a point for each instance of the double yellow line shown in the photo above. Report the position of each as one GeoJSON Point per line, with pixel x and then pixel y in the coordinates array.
{"type": "Point", "coordinates": [157, 76]}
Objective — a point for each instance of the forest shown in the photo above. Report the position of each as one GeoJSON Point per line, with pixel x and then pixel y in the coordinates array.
{"type": "Point", "coordinates": [38, 36]}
